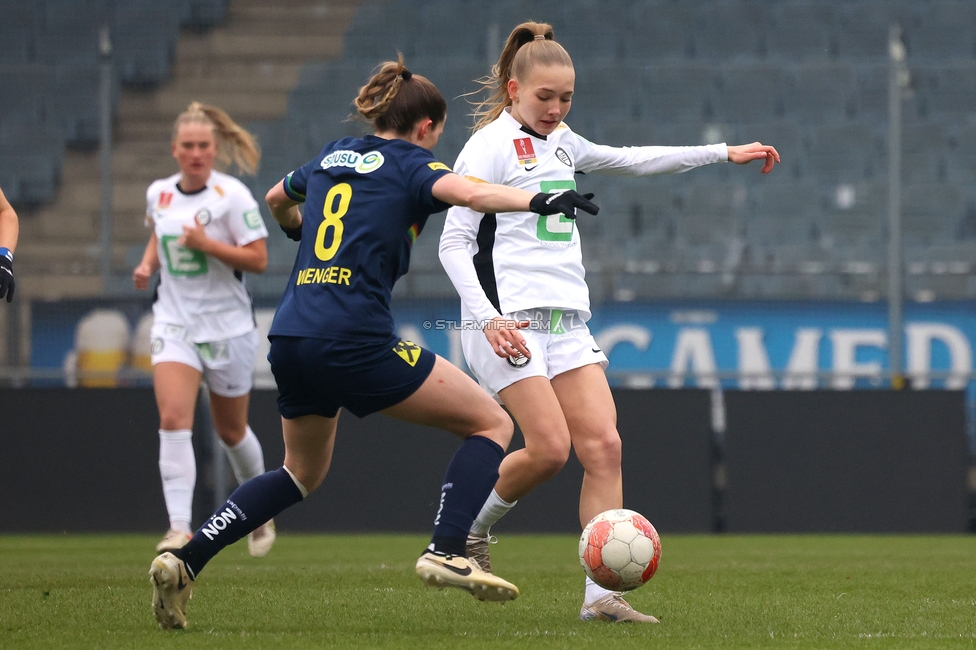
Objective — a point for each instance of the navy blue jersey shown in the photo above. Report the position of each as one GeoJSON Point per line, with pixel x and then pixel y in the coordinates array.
{"type": "Point", "coordinates": [366, 200]}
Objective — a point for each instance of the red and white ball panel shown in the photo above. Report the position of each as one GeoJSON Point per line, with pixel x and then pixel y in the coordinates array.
{"type": "Point", "coordinates": [620, 550]}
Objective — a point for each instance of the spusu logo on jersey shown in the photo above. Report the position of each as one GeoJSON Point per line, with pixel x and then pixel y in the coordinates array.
{"type": "Point", "coordinates": [362, 163]}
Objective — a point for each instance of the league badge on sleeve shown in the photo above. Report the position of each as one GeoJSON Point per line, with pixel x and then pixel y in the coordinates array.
{"type": "Point", "coordinates": [525, 152]}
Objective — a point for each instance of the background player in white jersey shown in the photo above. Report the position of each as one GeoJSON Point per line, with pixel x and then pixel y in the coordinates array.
{"type": "Point", "coordinates": [522, 274]}
{"type": "Point", "coordinates": [9, 231]}
{"type": "Point", "coordinates": [207, 231]}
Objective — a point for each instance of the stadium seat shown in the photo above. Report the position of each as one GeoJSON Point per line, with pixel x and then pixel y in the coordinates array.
{"type": "Point", "coordinates": [861, 28]}
{"type": "Point", "coordinates": [856, 212]}
{"type": "Point", "coordinates": [18, 44]}
{"type": "Point", "coordinates": [730, 30]}
{"type": "Point", "coordinates": [607, 91]}
{"type": "Point", "coordinates": [203, 14]}
{"type": "Point", "coordinates": [750, 91]}
{"type": "Point", "coordinates": [924, 148]}
{"type": "Point", "coordinates": [712, 212]}
{"type": "Point", "coordinates": [365, 41]}
{"type": "Point", "coordinates": [941, 30]}
{"type": "Point", "coordinates": [961, 155]}
{"type": "Point", "coordinates": [820, 92]}
{"type": "Point", "coordinates": [657, 31]}
{"type": "Point", "coordinates": [675, 92]}
{"type": "Point", "coordinates": [846, 152]}
{"type": "Point", "coordinates": [931, 212]}
{"type": "Point", "coordinates": [144, 43]}
{"type": "Point", "coordinates": [800, 31]}
{"type": "Point", "coordinates": [952, 93]}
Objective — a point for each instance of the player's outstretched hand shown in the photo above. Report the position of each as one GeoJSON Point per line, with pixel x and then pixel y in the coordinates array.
{"type": "Point", "coordinates": [565, 202]}
{"type": "Point", "coordinates": [294, 234]}
{"type": "Point", "coordinates": [745, 153]}
{"type": "Point", "coordinates": [6, 277]}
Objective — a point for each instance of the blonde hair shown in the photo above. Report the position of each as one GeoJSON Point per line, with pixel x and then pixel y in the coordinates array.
{"type": "Point", "coordinates": [394, 99]}
{"type": "Point", "coordinates": [235, 145]}
{"type": "Point", "coordinates": [529, 45]}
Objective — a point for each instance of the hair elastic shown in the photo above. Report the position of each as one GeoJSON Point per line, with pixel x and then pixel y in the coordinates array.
{"type": "Point", "coordinates": [540, 37]}
{"type": "Point", "coordinates": [406, 74]}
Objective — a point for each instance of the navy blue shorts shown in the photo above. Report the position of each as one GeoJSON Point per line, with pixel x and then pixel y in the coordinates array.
{"type": "Point", "coordinates": [317, 377]}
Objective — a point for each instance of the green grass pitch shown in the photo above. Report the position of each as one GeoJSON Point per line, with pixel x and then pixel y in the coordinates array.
{"type": "Point", "coordinates": [359, 591]}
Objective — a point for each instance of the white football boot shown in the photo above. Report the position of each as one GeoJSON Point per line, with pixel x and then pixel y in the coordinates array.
{"type": "Point", "coordinates": [615, 609]}
{"type": "Point", "coordinates": [439, 571]}
{"type": "Point", "coordinates": [172, 587]}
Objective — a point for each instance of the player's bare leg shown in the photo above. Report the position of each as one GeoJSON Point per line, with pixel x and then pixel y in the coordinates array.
{"type": "Point", "coordinates": [592, 419]}
{"type": "Point", "coordinates": [534, 405]}
{"type": "Point", "coordinates": [591, 416]}
{"type": "Point", "coordinates": [309, 443]}
{"type": "Point", "coordinates": [451, 401]}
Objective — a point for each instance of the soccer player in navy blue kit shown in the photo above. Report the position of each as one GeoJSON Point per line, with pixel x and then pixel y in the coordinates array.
{"type": "Point", "coordinates": [333, 341]}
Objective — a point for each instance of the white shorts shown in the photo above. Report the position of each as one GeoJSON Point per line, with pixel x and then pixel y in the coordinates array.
{"type": "Point", "coordinates": [228, 366]}
{"type": "Point", "coordinates": [558, 340]}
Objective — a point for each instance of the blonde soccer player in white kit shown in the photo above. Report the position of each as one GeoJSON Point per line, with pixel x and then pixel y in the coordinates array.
{"type": "Point", "coordinates": [521, 279]}
{"type": "Point", "coordinates": [207, 231]}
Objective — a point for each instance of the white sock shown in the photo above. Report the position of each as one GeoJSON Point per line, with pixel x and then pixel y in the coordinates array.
{"type": "Point", "coordinates": [178, 469]}
{"type": "Point", "coordinates": [493, 510]}
{"type": "Point", "coordinates": [594, 592]}
{"type": "Point", "coordinates": [246, 457]}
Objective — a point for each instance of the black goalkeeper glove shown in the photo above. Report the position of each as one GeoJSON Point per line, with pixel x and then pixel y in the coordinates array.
{"type": "Point", "coordinates": [565, 202]}
{"type": "Point", "coordinates": [294, 234]}
{"type": "Point", "coordinates": [6, 277]}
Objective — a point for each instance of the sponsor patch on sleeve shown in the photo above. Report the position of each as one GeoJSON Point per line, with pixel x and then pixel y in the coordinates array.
{"type": "Point", "coordinates": [438, 165]}
{"type": "Point", "coordinates": [252, 219]}
{"type": "Point", "coordinates": [475, 179]}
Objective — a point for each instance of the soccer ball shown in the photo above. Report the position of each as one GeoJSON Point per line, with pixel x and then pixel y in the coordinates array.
{"type": "Point", "coordinates": [619, 550]}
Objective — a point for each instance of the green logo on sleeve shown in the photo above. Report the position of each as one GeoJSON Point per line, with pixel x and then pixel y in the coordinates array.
{"type": "Point", "coordinates": [252, 219]}
{"type": "Point", "coordinates": [555, 227]}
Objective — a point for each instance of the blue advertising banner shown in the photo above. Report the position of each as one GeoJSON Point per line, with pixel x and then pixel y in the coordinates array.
{"type": "Point", "coordinates": [746, 345]}
{"type": "Point", "coordinates": [753, 345]}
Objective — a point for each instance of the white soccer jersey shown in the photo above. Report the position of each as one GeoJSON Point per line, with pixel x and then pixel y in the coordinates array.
{"type": "Point", "coordinates": [197, 291]}
{"type": "Point", "coordinates": [502, 263]}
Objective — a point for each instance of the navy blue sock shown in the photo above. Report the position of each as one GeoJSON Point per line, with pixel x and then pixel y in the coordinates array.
{"type": "Point", "coordinates": [249, 507]}
{"type": "Point", "coordinates": [467, 483]}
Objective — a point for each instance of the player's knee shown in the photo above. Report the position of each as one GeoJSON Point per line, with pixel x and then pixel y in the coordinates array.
{"type": "Point", "coordinates": [549, 459]}
{"type": "Point", "coordinates": [230, 436]}
{"type": "Point", "coordinates": [497, 426]}
{"type": "Point", "coordinates": [602, 450]}
{"type": "Point", "coordinates": [172, 419]}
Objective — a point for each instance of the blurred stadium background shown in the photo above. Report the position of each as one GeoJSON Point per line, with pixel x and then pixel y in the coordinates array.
{"type": "Point", "coordinates": [718, 278]}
